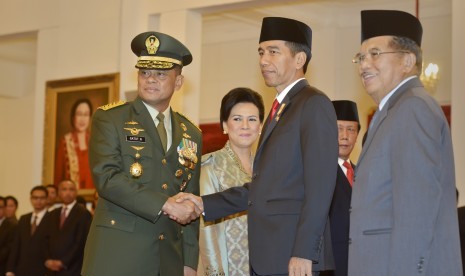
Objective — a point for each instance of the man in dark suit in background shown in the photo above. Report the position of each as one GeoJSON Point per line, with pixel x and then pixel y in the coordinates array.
{"type": "Point", "coordinates": [348, 125]}
{"type": "Point", "coordinates": [294, 171]}
{"type": "Point", "coordinates": [27, 256]}
{"type": "Point", "coordinates": [7, 228]}
{"type": "Point", "coordinates": [67, 232]}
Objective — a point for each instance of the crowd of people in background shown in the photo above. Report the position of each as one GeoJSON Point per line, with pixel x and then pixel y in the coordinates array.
{"type": "Point", "coordinates": [49, 240]}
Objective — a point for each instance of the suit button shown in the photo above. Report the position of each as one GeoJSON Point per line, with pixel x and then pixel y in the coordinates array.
{"type": "Point", "coordinates": [113, 222]}
{"type": "Point", "coordinates": [350, 209]}
{"type": "Point", "coordinates": [161, 237]}
{"type": "Point", "coordinates": [350, 240]}
{"type": "Point", "coordinates": [163, 161]}
{"type": "Point", "coordinates": [250, 203]}
{"type": "Point", "coordinates": [164, 186]}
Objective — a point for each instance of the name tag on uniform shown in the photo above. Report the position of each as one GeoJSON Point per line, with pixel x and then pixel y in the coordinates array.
{"type": "Point", "coordinates": [135, 139]}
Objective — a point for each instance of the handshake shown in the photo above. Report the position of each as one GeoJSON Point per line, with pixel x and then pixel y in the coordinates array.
{"type": "Point", "coordinates": [183, 207]}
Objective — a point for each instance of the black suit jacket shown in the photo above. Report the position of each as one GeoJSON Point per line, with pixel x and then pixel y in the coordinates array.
{"type": "Point", "coordinates": [6, 240]}
{"type": "Point", "coordinates": [67, 244]}
{"type": "Point", "coordinates": [28, 252]}
{"type": "Point", "coordinates": [339, 218]}
{"type": "Point", "coordinates": [294, 175]}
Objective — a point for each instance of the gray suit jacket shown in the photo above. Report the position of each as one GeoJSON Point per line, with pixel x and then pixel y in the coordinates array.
{"type": "Point", "coordinates": [293, 180]}
{"type": "Point", "coordinates": [404, 217]}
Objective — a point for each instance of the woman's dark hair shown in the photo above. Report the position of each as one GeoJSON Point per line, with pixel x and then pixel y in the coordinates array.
{"type": "Point", "coordinates": [240, 95]}
{"type": "Point", "coordinates": [75, 105]}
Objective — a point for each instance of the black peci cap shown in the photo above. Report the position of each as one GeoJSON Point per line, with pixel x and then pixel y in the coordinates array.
{"type": "Point", "coordinates": [159, 51]}
{"type": "Point", "coordinates": [346, 111]}
{"type": "Point", "coordinates": [390, 22]}
{"type": "Point", "coordinates": [279, 28]}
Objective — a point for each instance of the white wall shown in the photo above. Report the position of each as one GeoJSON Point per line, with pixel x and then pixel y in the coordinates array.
{"type": "Point", "coordinates": [74, 39]}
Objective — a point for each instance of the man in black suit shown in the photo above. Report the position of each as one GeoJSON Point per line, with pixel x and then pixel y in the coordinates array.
{"type": "Point", "coordinates": [7, 228]}
{"type": "Point", "coordinates": [27, 256]}
{"type": "Point", "coordinates": [67, 232]}
{"type": "Point", "coordinates": [294, 171]}
{"type": "Point", "coordinates": [348, 126]}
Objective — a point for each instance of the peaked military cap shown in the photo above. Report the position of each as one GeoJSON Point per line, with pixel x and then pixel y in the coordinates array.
{"type": "Point", "coordinates": [390, 22]}
{"type": "Point", "coordinates": [159, 51]}
{"type": "Point", "coordinates": [346, 110]}
{"type": "Point", "coordinates": [280, 28]}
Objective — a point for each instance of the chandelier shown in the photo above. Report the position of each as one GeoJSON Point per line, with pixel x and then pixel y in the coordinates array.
{"type": "Point", "coordinates": [430, 76]}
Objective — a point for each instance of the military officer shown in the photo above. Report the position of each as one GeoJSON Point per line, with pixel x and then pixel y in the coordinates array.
{"type": "Point", "coordinates": [143, 153]}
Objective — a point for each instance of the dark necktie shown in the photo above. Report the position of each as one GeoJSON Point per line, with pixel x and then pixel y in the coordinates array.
{"type": "Point", "coordinates": [274, 108]}
{"type": "Point", "coordinates": [34, 225]}
{"type": "Point", "coordinates": [350, 172]}
{"type": "Point", "coordinates": [62, 217]}
{"type": "Point", "coordinates": [161, 130]}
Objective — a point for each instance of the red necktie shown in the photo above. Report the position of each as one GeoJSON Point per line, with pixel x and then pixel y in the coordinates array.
{"type": "Point", "coordinates": [274, 108]}
{"type": "Point", "coordinates": [350, 172]}
{"type": "Point", "coordinates": [62, 217]}
{"type": "Point", "coordinates": [34, 225]}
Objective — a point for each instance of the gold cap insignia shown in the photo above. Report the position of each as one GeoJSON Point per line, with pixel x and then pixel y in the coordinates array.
{"type": "Point", "coordinates": [152, 43]}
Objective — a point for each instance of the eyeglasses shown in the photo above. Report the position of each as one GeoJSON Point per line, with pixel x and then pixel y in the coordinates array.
{"type": "Point", "coordinates": [374, 54]}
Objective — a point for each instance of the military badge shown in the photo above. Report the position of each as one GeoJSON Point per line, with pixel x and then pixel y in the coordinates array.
{"type": "Point", "coordinates": [183, 126]}
{"type": "Point", "coordinates": [183, 186]}
{"type": "Point", "coordinates": [133, 130]}
{"type": "Point", "coordinates": [152, 43]}
{"type": "Point", "coordinates": [136, 169]}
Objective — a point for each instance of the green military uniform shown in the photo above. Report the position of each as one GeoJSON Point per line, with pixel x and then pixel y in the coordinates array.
{"type": "Point", "coordinates": [134, 177]}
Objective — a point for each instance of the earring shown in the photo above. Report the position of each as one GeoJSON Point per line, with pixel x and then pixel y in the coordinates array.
{"type": "Point", "coordinates": [225, 132]}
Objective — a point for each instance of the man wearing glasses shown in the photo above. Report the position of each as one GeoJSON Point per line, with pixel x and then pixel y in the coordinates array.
{"type": "Point", "coordinates": [27, 256]}
{"type": "Point", "coordinates": [403, 218]}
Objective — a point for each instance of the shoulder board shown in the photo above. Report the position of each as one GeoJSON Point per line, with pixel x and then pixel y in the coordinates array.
{"type": "Point", "coordinates": [185, 117]}
{"type": "Point", "coordinates": [112, 105]}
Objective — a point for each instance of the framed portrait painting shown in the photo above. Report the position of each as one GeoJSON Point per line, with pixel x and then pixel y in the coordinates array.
{"type": "Point", "coordinates": [69, 105]}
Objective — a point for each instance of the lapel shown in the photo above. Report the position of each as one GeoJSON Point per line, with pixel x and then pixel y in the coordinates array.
{"type": "Point", "coordinates": [142, 116]}
{"type": "Point", "coordinates": [284, 105]}
{"type": "Point", "coordinates": [176, 133]}
{"type": "Point", "coordinates": [385, 112]}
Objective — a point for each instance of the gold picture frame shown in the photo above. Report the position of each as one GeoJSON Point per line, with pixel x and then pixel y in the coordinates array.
{"type": "Point", "coordinates": [61, 99]}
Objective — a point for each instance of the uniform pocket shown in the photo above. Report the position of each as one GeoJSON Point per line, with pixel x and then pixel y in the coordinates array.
{"type": "Point", "coordinates": [115, 220]}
